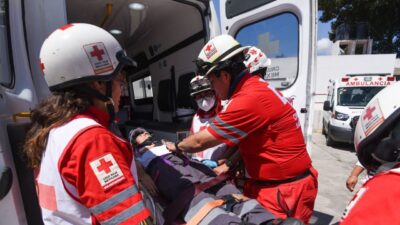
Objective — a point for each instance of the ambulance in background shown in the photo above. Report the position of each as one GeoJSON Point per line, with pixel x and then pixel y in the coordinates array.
{"type": "Point", "coordinates": [164, 37]}
{"type": "Point", "coordinates": [346, 99]}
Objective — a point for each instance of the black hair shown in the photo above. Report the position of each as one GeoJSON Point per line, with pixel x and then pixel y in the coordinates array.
{"type": "Point", "coordinates": [233, 65]}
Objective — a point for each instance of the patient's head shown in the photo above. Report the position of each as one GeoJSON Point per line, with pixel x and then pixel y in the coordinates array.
{"type": "Point", "coordinates": [139, 137]}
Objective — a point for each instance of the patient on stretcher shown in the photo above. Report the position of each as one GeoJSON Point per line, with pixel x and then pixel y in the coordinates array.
{"type": "Point", "coordinates": [193, 192]}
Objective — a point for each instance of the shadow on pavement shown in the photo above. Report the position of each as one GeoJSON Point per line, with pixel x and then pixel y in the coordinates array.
{"type": "Point", "coordinates": [344, 147]}
{"type": "Point", "coordinates": [319, 218]}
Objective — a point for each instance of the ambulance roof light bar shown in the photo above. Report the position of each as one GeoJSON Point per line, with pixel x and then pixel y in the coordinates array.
{"type": "Point", "coordinates": [368, 74]}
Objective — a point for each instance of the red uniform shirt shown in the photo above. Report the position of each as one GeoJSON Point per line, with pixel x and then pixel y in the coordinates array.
{"type": "Point", "coordinates": [266, 128]}
{"type": "Point", "coordinates": [376, 202]}
{"type": "Point", "coordinates": [97, 171]}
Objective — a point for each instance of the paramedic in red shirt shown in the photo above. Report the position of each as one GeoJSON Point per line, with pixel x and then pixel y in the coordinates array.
{"type": "Point", "coordinates": [84, 173]}
{"type": "Point", "coordinates": [266, 128]}
{"type": "Point", "coordinates": [377, 143]}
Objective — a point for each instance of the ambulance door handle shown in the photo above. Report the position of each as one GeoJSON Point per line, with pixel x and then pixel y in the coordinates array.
{"type": "Point", "coordinates": [6, 179]}
{"type": "Point", "coordinates": [303, 110]}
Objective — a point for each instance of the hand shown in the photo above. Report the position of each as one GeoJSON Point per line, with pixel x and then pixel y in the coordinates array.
{"type": "Point", "coordinates": [351, 182]}
{"type": "Point", "coordinates": [221, 169]}
{"type": "Point", "coordinates": [170, 146]}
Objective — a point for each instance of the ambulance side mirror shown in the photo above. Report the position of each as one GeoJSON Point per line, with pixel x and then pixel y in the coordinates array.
{"type": "Point", "coordinates": [327, 106]}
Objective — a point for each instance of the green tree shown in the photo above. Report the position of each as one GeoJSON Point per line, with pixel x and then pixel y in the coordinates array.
{"type": "Point", "coordinates": [382, 17]}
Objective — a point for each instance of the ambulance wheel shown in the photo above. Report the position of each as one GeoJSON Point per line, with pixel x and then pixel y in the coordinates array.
{"type": "Point", "coordinates": [329, 141]}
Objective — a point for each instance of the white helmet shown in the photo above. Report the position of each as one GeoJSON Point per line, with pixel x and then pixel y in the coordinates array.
{"type": "Point", "coordinates": [199, 84]}
{"type": "Point", "coordinates": [79, 53]}
{"type": "Point", "coordinates": [255, 59]}
{"type": "Point", "coordinates": [377, 133]}
{"type": "Point", "coordinates": [216, 53]}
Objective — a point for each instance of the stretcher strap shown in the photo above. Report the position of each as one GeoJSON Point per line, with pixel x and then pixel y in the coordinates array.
{"type": "Point", "coordinates": [204, 211]}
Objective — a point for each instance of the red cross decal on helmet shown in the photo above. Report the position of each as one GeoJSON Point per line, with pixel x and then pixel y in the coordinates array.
{"type": "Point", "coordinates": [208, 48]}
{"type": "Point", "coordinates": [104, 166]}
{"type": "Point", "coordinates": [368, 113]}
{"type": "Point", "coordinates": [65, 27]}
{"type": "Point", "coordinates": [97, 53]}
{"type": "Point", "coordinates": [253, 51]}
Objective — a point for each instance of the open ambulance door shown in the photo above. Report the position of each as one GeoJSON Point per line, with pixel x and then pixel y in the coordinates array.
{"type": "Point", "coordinates": [286, 31]}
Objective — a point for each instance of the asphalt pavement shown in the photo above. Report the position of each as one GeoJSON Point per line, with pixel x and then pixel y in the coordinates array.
{"type": "Point", "coordinates": [334, 166]}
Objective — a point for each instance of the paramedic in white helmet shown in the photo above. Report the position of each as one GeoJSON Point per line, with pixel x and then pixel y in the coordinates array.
{"type": "Point", "coordinates": [265, 127]}
{"type": "Point", "coordinates": [208, 107]}
{"type": "Point", "coordinates": [377, 143]}
{"type": "Point", "coordinates": [85, 173]}
{"type": "Point", "coordinates": [256, 61]}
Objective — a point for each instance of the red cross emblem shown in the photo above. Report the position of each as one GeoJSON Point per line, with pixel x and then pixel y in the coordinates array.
{"type": "Point", "coordinates": [97, 53]}
{"type": "Point", "coordinates": [256, 60]}
{"type": "Point", "coordinates": [380, 78]}
{"type": "Point", "coordinates": [356, 79]}
{"type": "Point", "coordinates": [66, 26]}
{"type": "Point", "coordinates": [41, 65]}
{"type": "Point", "coordinates": [104, 166]}
{"type": "Point", "coordinates": [253, 52]}
{"type": "Point", "coordinates": [208, 48]}
{"type": "Point", "coordinates": [368, 113]}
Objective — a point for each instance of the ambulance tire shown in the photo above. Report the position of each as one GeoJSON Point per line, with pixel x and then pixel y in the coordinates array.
{"type": "Point", "coordinates": [329, 141]}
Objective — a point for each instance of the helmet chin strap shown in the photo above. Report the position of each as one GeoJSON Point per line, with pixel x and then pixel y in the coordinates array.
{"type": "Point", "coordinates": [110, 103]}
{"type": "Point", "coordinates": [107, 98]}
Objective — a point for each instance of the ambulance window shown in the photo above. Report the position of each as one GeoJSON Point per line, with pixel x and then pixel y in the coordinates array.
{"type": "Point", "coordinates": [184, 100]}
{"type": "Point", "coordinates": [142, 89]}
{"type": "Point", "coordinates": [237, 7]}
{"type": "Point", "coordinates": [278, 37]}
{"type": "Point", "coordinates": [6, 73]}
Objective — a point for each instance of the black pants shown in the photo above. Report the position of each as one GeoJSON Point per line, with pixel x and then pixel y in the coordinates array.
{"type": "Point", "coordinates": [174, 175]}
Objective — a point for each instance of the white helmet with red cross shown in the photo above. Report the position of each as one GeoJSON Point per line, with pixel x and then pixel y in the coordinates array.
{"type": "Point", "coordinates": [216, 53]}
{"type": "Point", "coordinates": [256, 60]}
{"type": "Point", "coordinates": [377, 133]}
{"type": "Point", "coordinates": [199, 84]}
{"type": "Point", "coordinates": [79, 53]}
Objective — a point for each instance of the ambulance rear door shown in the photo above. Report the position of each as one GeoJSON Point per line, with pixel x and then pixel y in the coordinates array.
{"type": "Point", "coordinates": [285, 31]}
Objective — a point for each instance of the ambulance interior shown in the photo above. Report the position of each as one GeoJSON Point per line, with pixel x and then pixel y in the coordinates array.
{"type": "Point", "coordinates": [164, 37]}
{"type": "Point", "coordinates": [164, 45]}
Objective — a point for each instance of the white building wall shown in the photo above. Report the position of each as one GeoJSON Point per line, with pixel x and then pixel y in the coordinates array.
{"type": "Point", "coordinates": [336, 66]}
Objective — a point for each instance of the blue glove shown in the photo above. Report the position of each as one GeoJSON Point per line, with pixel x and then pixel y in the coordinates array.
{"type": "Point", "coordinates": [210, 163]}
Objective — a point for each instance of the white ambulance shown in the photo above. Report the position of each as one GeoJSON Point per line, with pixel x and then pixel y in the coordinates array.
{"type": "Point", "coordinates": [347, 97]}
{"type": "Point", "coordinates": [164, 37]}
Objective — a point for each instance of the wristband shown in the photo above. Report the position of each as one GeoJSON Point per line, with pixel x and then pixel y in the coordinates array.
{"type": "Point", "coordinates": [177, 149]}
{"type": "Point", "coordinates": [229, 163]}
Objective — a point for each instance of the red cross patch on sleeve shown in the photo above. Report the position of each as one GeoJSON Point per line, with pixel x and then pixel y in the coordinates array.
{"type": "Point", "coordinates": [107, 171]}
